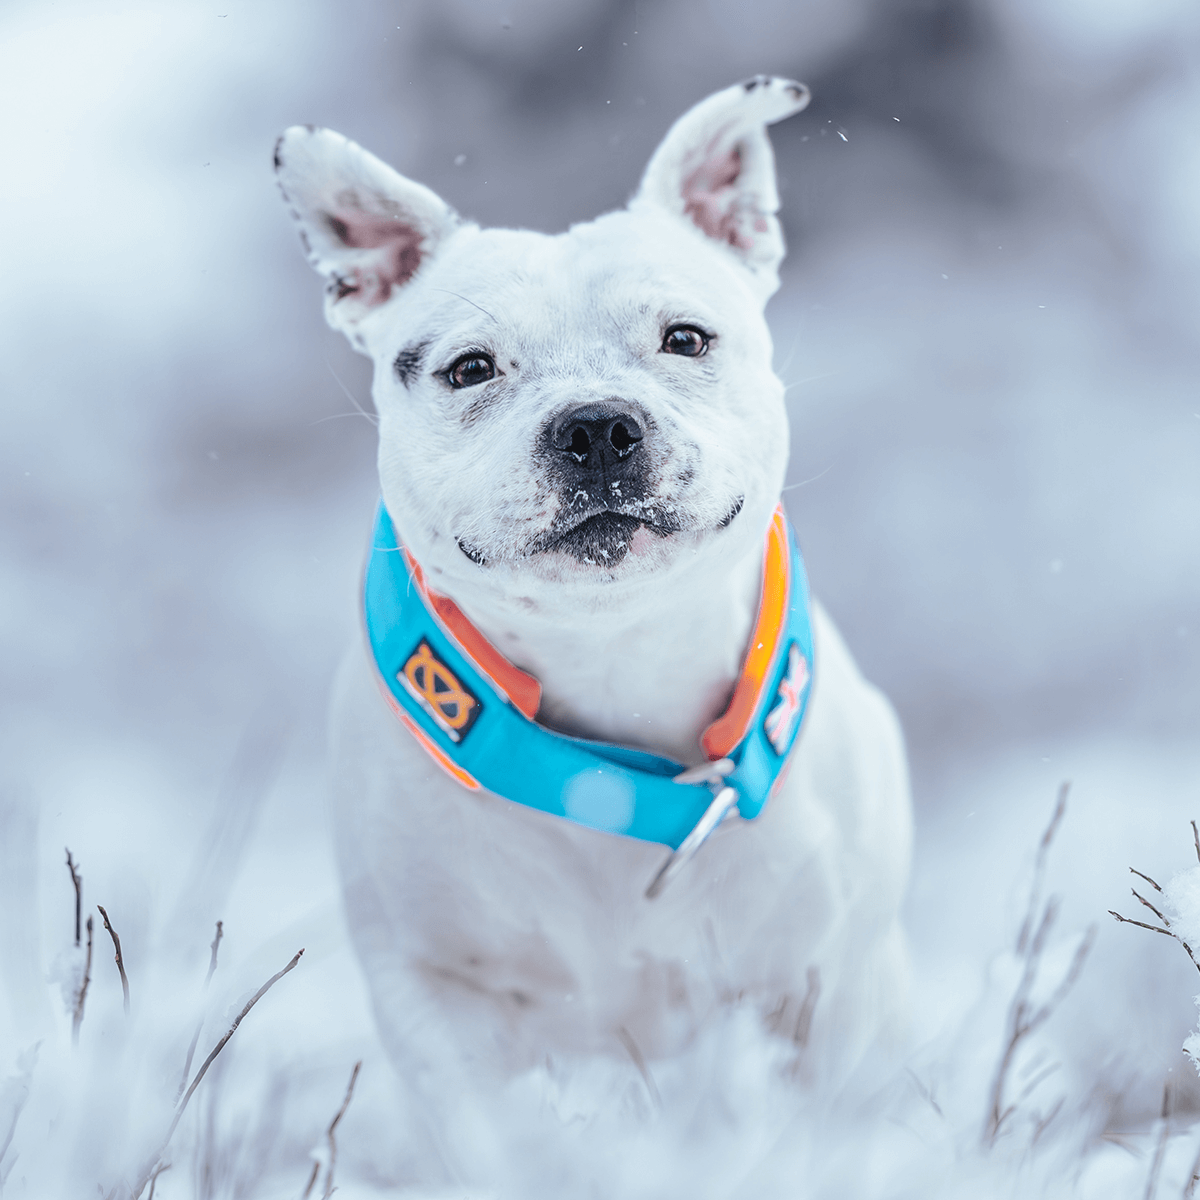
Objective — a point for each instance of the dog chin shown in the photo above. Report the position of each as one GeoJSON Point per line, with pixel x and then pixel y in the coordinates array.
{"type": "Point", "coordinates": [606, 539]}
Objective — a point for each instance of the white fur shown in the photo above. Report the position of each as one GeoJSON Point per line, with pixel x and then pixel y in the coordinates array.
{"type": "Point", "coordinates": [492, 934]}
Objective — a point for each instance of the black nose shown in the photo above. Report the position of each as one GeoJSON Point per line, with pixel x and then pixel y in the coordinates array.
{"type": "Point", "coordinates": [594, 434]}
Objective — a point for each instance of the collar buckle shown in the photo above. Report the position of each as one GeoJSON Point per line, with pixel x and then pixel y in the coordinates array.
{"type": "Point", "coordinates": [723, 806]}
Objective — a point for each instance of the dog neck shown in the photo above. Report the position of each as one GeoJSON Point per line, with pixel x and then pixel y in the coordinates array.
{"type": "Point", "coordinates": [653, 679]}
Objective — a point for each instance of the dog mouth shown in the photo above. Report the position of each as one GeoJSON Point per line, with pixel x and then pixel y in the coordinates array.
{"type": "Point", "coordinates": [605, 536]}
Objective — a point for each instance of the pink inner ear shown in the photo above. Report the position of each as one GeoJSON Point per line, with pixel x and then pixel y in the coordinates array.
{"type": "Point", "coordinates": [399, 246]}
{"type": "Point", "coordinates": [710, 197]}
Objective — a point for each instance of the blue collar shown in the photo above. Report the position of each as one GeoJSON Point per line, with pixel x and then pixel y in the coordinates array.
{"type": "Point", "coordinates": [473, 712]}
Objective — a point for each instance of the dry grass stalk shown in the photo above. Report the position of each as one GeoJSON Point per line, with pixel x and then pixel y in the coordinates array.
{"type": "Point", "coordinates": [112, 933]}
{"type": "Point", "coordinates": [77, 880]}
{"type": "Point", "coordinates": [1023, 1017]}
{"type": "Point", "coordinates": [807, 1008]}
{"type": "Point", "coordinates": [329, 1135]}
{"type": "Point", "coordinates": [1160, 1148]}
{"type": "Point", "coordinates": [156, 1158]}
{"type": "Point", "coordinates": [81, 995]}
{"type": "Point", "coordinates": [212, 966]}
{"type": "Point", "coordinates": [154, 1178]}
{"type": "Point", "coordinates": [212, 959]}
{"type": "Point", "coordinates": [635, 1053]}
{"type": "Point", "coordinates": [1193, 1178]}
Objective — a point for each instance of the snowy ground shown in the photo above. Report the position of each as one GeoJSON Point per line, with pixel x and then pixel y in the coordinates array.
{"type": "Point", "coordinates": [987, 324]}
{"type": "Point", "coordinates": [728, 1122]}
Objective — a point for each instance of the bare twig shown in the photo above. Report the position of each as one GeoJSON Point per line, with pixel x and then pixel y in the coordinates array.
{"type": "Point", "coordinates": [341, 1112]}
{"type": "Point", "coordinates": [312, 1179]}
{"type": "Point", "coordinates": [1038, 1078]}
{"type": "Point", "coordinates": [1140, 875]}
{"type": "Point", "coordinates": [639, 1061]}
{"type": "Point", "coordinates": [807, 1007]}
{"type": "Point", "coordinates": [1039, 866]}
{"type": "Point", "coordinates": [1165, 928]}
{"type": "Point", "coordinates": [1023, 1018]}
{"type": "Point", "coordinates": [81, 997]}
{"type": "Point", "coordinates": [77, 880]}
{"type": "Point", "coordinates": [262, 991]}
{"type": "Point", "coordinates": [25, 1065]}
{"type": "Point", "coordinates": [183, 1102]}
{"type": "Point", "coordinates": [1044, 1123]}
{"type": "Point", "coordinates": [1193, 1177]}
{"type": "Point", "coordinates": [1140, 924]}
{"type": "Point", "coordinates": [1160, 1147]}
{"type": "Point", "coordinates": [926, 1092]}
{"type": "Point", "coordinates": [154, 1178]}
{"type": "Point", "coordinates": [120, 960]}
{"type": "Point", "coordinates": [216, 942]}
{"type": "Point", "coordinates": [1142, 900]}
{"type": "Point", "coordinates": [191, 1054]}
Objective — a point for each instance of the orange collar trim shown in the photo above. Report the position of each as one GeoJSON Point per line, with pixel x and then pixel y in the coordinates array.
{"type": "Point", "coordinates": [524, 692]}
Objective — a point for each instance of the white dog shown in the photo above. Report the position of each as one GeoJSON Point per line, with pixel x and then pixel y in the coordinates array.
{"type": "Point", "coordinates": [582, 448]}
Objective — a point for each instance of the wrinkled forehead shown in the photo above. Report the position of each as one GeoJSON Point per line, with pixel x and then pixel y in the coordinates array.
{"type": "Point", "coordinates": [598, 281]}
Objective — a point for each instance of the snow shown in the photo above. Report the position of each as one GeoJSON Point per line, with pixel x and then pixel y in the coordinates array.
{"type": "Point", "coordinates": [987, 325]}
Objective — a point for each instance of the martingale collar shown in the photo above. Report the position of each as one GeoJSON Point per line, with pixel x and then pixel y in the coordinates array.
{"type": "Point", "coordinates": [474, 712]}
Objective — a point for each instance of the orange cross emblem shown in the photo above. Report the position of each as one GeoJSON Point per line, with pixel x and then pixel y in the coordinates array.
{"type": "Point", "coordinates": [437, 689]}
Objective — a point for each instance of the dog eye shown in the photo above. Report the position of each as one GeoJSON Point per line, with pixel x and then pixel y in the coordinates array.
{"type": "Point", "coordinates": [470, 370]}
{"type": "Point", "coordinates": [686, 340]}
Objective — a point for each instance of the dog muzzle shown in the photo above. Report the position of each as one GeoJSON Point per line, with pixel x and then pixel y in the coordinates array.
{"type": "Point", "coordinates": [474, 713]}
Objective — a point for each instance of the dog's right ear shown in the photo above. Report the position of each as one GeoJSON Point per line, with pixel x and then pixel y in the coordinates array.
{"type": "Point", "coordinates": [364, 227]}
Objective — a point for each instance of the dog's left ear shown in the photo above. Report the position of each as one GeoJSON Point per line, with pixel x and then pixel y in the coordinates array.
{"type": "Point", "coordinates": [364, 227]}
{"type": "Point", "coordinates": [715, 169]}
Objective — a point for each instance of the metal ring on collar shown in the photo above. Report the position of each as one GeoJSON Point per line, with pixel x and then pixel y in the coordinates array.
{"type": "Point", "coordinates": [723, 803]}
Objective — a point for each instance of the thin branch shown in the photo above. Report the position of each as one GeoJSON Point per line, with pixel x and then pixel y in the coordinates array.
{"type": "Point", "coordinates": [808, 1006]}
{"type": "Point", "coordinates": [341, 1112]}
{"type": "Point", "coordinates": [183, 1102]}
{"type": "Point", "coordinates": [1160, 1148]}
{"type": "Point", "coordinates": [77, 1016]}
{"type": "Point", "coordinates": [1157, 929]}
{"type": "Point", "coordinates": [1193, 1177]}
{"type": "Point", "coordinates": [154, 1178]}
{"type": "Point", "coordinates": [1042, 1125]}
{"type": "Point", "coordinates": [312, 1179]}
{"type": "Point", "coordinates": [1141, 875]}
{"type": "Point", "coordinates": [191, 1054]}
{"type": "Point", "coordinates": [120, 960]}
{"type": "Point", "coordinates": [212, 962]}
{"type": "Point", "coordinates": [1142, 899]}
{"type": "Point", "coordinates": [1196, 839]}
{"type": "Point", "coordinates": [1023, 1019]}
{"type": "Point", "coordinates": [1039, 866]}
{"type": "Point", "coordinates": [262, 991]}
{"type": "Point", "coordinates": [1140, 924]}
{"type": "Point", "coordinates": [25, 1065]}
{"type": "Point", "coordinates": [1038, 1079]}
{"type": "Point", "coordinates": [925, 1092]}
{"type": "Point", "coordinates": [77, 880]}
{"type": "Point", "coordinates": [639, 1061]}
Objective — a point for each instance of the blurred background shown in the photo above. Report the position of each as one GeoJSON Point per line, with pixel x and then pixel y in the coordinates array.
{"type": "Point", "coordinates": [987, 324]}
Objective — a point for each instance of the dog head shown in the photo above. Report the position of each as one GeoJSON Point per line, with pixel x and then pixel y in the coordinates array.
{"type": "Point", "coordinates": [560, 412]}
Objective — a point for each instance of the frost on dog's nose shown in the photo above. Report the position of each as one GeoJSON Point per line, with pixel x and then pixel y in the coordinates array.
{"type": "Point", "coordinates": [595, 435]}
{"type": "Point", "coordinates": [600, 465]}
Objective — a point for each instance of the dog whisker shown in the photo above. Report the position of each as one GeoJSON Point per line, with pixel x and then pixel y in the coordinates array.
{"type": "Point", "coordinates": [351, 397]}
{"type": "Point", "coordinates": [791, 487]}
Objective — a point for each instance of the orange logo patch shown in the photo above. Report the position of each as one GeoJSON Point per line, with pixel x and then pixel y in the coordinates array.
{"type": "Point", "coordinates": [430, 682]}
